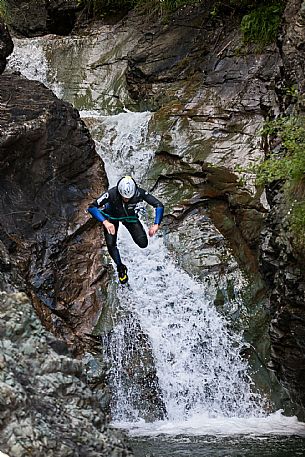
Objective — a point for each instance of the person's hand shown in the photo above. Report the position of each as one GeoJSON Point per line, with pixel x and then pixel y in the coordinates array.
{"type": "Point", "coordinates": [153, 230]}
{"type": "Point", "coordinates": [109, 227]}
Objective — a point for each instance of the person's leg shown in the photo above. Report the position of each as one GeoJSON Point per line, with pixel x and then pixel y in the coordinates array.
{"type": "Point", "coordinates": [137, 232]}
{"type": "Point", "coordinates": [111, 242]}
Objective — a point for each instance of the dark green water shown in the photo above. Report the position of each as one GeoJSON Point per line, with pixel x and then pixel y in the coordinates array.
{"type": "Point", "coordinates": [208, 446]}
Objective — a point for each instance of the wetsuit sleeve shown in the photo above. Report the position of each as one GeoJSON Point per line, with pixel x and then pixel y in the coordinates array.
{"type": "Point", "coordinates": [94, 207]}
{"type": "Point", "coordinates": [94, 211]}
{"type": "Point", "coordinates": [153, 201]}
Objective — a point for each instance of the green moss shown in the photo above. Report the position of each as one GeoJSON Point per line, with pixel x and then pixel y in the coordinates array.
{"type": "Point", "coordinates": [297, 222]}
{"type": "Point", "coordinates": [4, 13]}
{"type": "Point", "coordinates": [84, 101]}
{"type": "Point", "coordinates": [288, 165]}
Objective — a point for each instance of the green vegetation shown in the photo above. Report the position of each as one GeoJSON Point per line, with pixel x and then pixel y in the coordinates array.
{"type": "Point", "coordinates": [261, 25]}
{"type": "Point", "coordinates": [297, 221]}
{"type": "Point", "coordinates": [3, 9]}
{"type": "Point", "coordinates": [288, 166]}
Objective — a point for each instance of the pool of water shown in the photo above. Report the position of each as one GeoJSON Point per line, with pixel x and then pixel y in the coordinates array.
{"type": "Point", "coordinates": [208, 446]}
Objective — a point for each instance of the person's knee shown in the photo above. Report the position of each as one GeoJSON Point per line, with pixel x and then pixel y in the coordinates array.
{"type": "Point", "coordinates": [138, 234]}
{"type": "Point", "coordinates": [142, 242]}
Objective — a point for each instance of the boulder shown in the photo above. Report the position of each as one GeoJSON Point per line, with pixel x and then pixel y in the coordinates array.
{"type": "Point", "coordinates": [47, 406]}
{"type": "Point", "coordinates": [49, 173]}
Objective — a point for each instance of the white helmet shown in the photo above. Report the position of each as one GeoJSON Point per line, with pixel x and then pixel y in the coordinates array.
{"type": "Point", "coordinates": [127, 187]}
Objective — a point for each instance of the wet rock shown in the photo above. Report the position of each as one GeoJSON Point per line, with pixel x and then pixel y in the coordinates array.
{"type": "Point", "coordinates": [49, 173]}
{"type": "Point", "coordinates": [212, 102]}
{"type": "Point", "coordinates": [39, 17]}
{"type": "Point", "coordinates": [282, 265]}
{"type": "Point", "coordinates": [293, 45]}
{"type": "Point", "coordinates": [46, 405]}
{"type": "Point", "coordinates": [6, 45]}
{"type": "Point", "coordinates": [62, 16]}
{"type": "Point", "coordinates": [281, 258]}
{"type": "Point", "coordinates": [136, 377]}
{"type": "Point", "coordinates": [10, 278]}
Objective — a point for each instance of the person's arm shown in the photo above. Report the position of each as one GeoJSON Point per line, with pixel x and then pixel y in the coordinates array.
{"type": "Point", "coordinates": [159, 210]}
{"type": "Point", "coordinates": [96, 213]}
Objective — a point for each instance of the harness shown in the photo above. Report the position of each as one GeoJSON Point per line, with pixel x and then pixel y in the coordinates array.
{"type": "Point", "coordinates": [132, 219]}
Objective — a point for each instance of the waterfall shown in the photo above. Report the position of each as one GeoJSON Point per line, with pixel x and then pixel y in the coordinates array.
{"type": "Point", "coordinates": [197, 357]}
{"type": "Point", "coordinates": [123, 143]}
{"type": "Point", "coordinates": [29, 58]}
{"type": "Point", "coordinates": [203, 380]}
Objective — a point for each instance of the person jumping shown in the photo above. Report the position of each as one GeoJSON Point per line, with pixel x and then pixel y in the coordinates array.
{"type": "Point", "coordinates": [119, 204]}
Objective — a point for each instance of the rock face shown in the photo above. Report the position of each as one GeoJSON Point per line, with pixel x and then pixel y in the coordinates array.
{"type": "Point", "coordinates": [292, 45]}
{"type": "Point", "coordinates": [282, 260]}
{"type": "Point", "coordinates": [211, 102]}
{"type": "Point", "coordinates": [49, 172]}
{"type": "Point", "coordinates": [39, 17]}
{"type": "Point", "coordinates": [6, 45]}
{"type": "Point", "coordinates": [282, 266]}
{"type": "Point", "coordinates": [37, 377]}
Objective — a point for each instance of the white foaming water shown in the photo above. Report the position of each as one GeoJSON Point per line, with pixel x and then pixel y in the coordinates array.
{"type": "Point", "coordinates": [122, 141]}
{"type": "Point", "coordinates": [29, 58]}
{"type": "Point", "coordinates": [23, 60]}
{"type": "Point", "coordinates": [197, 359]}
{"type": "Point", "coordinates": [203, 425]}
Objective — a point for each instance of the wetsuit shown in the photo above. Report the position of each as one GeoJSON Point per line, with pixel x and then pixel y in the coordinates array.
{"type": "Point", "coordinates": [111, 206]}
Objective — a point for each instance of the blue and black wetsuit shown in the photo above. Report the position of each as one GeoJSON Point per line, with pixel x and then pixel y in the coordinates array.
{"type": "Point", "coordinates": [111, 206]}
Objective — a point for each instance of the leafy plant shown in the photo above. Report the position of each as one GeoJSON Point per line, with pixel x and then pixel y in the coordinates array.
{"type": "Point", "coordinates": [261, 25]}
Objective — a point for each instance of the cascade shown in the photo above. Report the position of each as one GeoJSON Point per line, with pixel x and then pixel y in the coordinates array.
{"type": "Point", "coordinates": [201, 374]}
{"type": "Point", "coordinates": [29, 58]}
{"type": "Point", "coordinates": [197, 357]}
